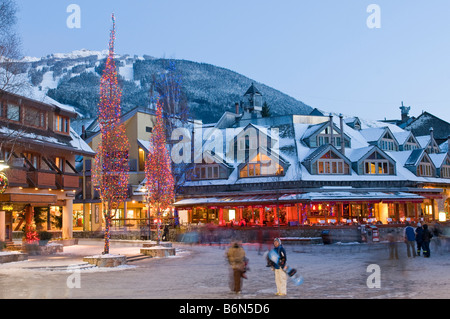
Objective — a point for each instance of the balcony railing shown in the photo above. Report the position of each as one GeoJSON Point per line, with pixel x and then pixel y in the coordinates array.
{"type": "Point", "coordinates": [41, 179]}
{"type": "Point", "coordinates": [64, 181]}
{"type": "Point", "coordinates": [17, 177]}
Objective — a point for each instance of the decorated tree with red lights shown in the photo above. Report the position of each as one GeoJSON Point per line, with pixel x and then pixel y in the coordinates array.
{"type": "Point", "coordinates": [110, 171]}
{"type": "Point", "coordinates": [158, 171]}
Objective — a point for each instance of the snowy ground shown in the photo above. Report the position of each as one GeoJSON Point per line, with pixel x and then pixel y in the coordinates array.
{"type": "Point", "coordinates": [201, 272]}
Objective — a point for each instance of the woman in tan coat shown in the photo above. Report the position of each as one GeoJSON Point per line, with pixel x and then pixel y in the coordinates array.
{"type": "Point", "coordinates": [236, 258]}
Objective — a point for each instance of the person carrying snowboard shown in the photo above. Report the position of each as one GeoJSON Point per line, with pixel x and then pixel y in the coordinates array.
{"type": "Point", "coordinates": [280, 275]}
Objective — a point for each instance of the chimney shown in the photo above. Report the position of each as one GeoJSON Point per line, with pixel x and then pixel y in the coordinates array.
{"type": "Point", "coordinates": [341, 117]}
{"type": "Point", "coordinates": [331, 129]}
{"type": "Point", "coordinates": [83, 132]}
{"type": "Point", "coordinates": [405, 112]}
{"type": "Point", "coordinates": [431, 138]}
{"type": "Point", "coordinates": [237, 107]}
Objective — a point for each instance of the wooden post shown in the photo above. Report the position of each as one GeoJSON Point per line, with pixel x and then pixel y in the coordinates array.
{"type": "Point", "coordinates": [416, 212]}
{"type": "Point", "coordinates": [261, 216]}
{"type": "Point", "coordinates": [221, 222]}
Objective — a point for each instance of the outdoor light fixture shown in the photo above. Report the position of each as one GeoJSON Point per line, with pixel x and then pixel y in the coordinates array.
{"type": "Point", "coordinates": [442, 217]}
{"type": "Point", "coordinates": [3, 166]}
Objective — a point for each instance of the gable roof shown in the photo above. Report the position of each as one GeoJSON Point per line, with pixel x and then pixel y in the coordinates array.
{"type": "Point", "coordinates": [438, 159]}
{"type": "Point", "coordinates": [356, 155]}
{"type": "Point", "coordinates": [403, 137]}
{"type": "Point", "coordinates": [422, 124]}
{"type": "Point", "coordinates": [416, 157]}
{"type": "Point", "coordinates": [376, 133]}
{"type": "Point", "coordinates": [315, 129]}
{"type": "Point", "coordinates": [252, 90]}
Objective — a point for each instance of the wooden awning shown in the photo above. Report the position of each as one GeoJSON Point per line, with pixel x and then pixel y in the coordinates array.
{"type": "Point", "coordinates": [32, 199]}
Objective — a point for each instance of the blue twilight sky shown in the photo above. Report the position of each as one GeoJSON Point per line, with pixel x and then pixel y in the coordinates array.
{"type": "Point", "coordinates": [318, 51]}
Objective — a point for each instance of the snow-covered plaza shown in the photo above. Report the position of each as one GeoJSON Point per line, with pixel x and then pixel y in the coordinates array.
{"type": "Point", "coordinates": [337, 271]}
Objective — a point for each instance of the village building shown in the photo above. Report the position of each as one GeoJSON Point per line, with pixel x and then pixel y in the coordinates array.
{"type": "Point", "coordinates": [39, 148]}
{"type": "Point", "coordinates": [133, 213]}
{"type": "Point", "coordinates": [312, 169]}
{"type": "Point", "coordinates": [286, 170]}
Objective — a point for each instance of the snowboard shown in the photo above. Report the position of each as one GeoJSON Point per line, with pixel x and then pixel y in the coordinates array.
{"type": "Point", "coordinates": [296, 278]}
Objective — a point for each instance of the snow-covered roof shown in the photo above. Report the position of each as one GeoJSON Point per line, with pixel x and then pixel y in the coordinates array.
{"type": "Point", "coordinates": [295, 152]}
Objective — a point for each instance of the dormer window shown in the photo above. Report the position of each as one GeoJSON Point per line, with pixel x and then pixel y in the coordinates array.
{"type": "Point", "coordinates": [387, 143]}
{"type": "Point", "coordinates": [35, 117]}
{"type": "Point", "coordinates": [410, 144]}
{"type": "Point", "coordinates": [62, 124]}
{"type": "Point", "coordinates": [247, 143]}
{"type": "Point", "coordinates": [261, 165]}
{"type": "Point", "coordinates": [210, 171]}
{"type": "Point", "coordinates": [425, 168]}
{"type": "Point", "coordinates": [330, 163]}
{"type": "Point", "coordinates": [377, 164]}
{"type": "Point", "coordinates": [445, 169]}
{"type": "Point", "coordinates": [13, 112]}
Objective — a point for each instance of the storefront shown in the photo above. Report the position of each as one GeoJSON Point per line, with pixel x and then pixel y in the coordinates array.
{"type": "Point", "coordinates": [311, 208]}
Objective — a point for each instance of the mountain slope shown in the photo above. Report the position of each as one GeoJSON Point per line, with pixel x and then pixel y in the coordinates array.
{"type": "Point", "coordinates": [74, 79]}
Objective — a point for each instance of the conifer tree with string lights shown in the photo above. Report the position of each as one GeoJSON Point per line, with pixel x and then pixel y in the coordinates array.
{"type": "Point", "coordinates": [110, 169]}
{"type": "Point", "coordinates": [158, 172]}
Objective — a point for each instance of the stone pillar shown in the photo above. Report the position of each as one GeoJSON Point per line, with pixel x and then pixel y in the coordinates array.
{"type": "Point", "coordinates": [2, 226]}
{"type": "Point", "coordinates": [67, 220]}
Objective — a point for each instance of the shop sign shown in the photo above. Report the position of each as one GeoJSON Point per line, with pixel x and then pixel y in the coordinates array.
{"type": "Point", "coordinates": [7, 207]}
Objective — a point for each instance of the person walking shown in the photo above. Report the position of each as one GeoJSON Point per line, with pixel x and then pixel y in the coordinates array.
{"type": "Point", "coordinates": [393, 249]}
{"type": "Point", "coordinates": [419, 238]}
{"type": "Point", "coordinates": [236, 259]}
{"type": "Point", "coordinates": [410, 238]}
{"type": "Point", "coordinates": [277, 267]}
{"type": "Point", "coordinates": [427, 235]}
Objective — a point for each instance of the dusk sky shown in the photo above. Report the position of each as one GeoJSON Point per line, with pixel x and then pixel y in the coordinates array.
{"type": "Point", "coordinates": [321, 52]}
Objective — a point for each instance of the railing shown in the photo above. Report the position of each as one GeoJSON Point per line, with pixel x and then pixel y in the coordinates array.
{"type": "Point", "coordinates": [68, 181]}
{"type": "Point", "coordinates": [42, 179]}
{"type": "Point", "coordinates": [17, 176]}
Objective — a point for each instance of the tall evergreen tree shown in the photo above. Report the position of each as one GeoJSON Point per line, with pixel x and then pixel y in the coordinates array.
{"type": "Point", "coordinates": [110, 171]}
{"type": "Point", "coordinates": [265, 110]}
{"type": "Point", "coordinates": [158, 171]}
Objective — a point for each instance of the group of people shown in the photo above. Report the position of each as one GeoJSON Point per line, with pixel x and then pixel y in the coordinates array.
{"type": "Point", "coordinates": [239, 265]}
{"type": "Point", "coordinates": [421, 236]}
{"type": "Point", "coordinates": [417, 241]}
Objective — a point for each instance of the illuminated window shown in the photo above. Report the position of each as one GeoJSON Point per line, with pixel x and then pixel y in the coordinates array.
{"type": "Point", "coordinates": [33, 159]}
{"type": "Point", "coordinates": [261, 165]}
{"type": "Point", "coordinates": [62, 124]}
{"type": "Point", "coordinates": [59, 162]}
